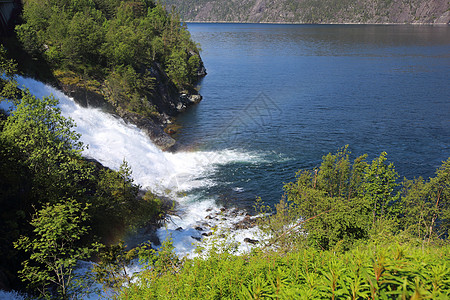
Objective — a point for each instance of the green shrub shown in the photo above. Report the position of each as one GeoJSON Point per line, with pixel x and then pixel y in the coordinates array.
{"type": "Point", "coordinates": [370, 271]}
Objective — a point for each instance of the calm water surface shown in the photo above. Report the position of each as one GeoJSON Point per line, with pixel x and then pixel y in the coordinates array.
{"type": "Point", "coordinates": [290, 94]}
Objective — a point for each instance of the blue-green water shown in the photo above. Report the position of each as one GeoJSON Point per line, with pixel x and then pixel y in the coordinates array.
{"type": "Point", "coordinates": [290, 94]}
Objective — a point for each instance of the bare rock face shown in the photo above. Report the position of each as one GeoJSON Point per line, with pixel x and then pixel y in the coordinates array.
{"type": "Point", "coordinates": [86, 98]}
{"type": "Point", "coordinates": [153, 128]}
{"type": "Point", "coordinates": [167, 99]}
{"type": "Point", "coordinates": [251, 241]}
{"type": "Point", "coordinates": [444, 18]}
{"type": "Point", "coordinates": [9, 10]}
{"type": "Point", "coordinates": [311, 11]}
{"type": "Point", "coordinates": [165, 94]}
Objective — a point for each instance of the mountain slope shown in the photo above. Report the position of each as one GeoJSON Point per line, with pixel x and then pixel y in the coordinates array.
{"type": "Point", "coordinates": [314, 11]}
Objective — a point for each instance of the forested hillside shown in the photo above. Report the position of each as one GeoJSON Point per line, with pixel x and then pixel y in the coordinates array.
{"type": "Point", "coordinates": [314, 11]}
{"type": "Point", "coordinates": [133, 54]}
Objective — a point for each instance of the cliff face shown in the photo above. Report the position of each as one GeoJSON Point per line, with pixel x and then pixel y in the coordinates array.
{"type": "Point", "coordinates": [167, 99]}
{"type": "Point", "coordinates": [315, 11]}
{"type": "Point", "coordinates": [8, 10]}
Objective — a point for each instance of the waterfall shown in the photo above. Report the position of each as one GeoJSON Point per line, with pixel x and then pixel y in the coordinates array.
{"type": "Point", "coordinates": [110, 140]}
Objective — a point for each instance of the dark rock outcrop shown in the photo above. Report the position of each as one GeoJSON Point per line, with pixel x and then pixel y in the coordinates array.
{"type": "Point", "coordinates": [152, 127]}
{"type": "Point", "coordinates": [246, 223]}
{"type": "Point", "coordinates": [165, 96]}
{"type": "Point", "coordinates": [251, 241]}
{"type": "Point", "coordinates": [86, 97]}
{"type": "Point", "coordinates": [9, 11]}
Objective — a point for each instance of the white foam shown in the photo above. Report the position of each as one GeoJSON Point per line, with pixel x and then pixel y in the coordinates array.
{"type": "Point", "coordinates": [110, 140]}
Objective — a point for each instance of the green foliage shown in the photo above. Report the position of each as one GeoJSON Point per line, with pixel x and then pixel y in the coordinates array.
{"type": "Point", "coordinates": [341, 204]}
{"type": "Point", "coordinates": [8, 69]}
{"type": "Point", "coordinates": [376, 272]}
{"type": "Point", "coordinates": [84, 37]}
{"type": "Point", "coordinates": [36, 122]}
{"type": "Point", "coordinates": [126, 83]}
{"type": "Point", "coordinates": [378, 187]}
{"type": "Point", "coordinates": [177, 67]}
{"type": "Point", "coordinates": [54, 249]}
{"type": "Point", "coordinates": [426, 205]}
{"type": "Point", "coordinates": [48, 146]}
{"type": "Point", "coordinates": [117, 202]}
{"type": "Point", "coordinates": [329, 197]}
{"type": "Point", "coordinates": [112, 42]}
{"type": "Point", "coordinates": [116, 195]}
{"type": "Point", "coordinates": [111, 271]}
{"type": "Point", "coordinates": [338, 204]}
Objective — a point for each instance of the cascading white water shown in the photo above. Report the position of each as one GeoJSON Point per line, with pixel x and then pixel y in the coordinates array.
{"type": "Point", "coordinates": [110, 141]}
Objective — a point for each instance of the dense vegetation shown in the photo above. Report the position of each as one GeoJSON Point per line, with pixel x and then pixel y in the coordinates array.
{"type": "Point", "coordinates": [113, 48]}
{"type": "Point", "coordinates": [351, 202]}
{"type": "Point", "coordinates": [314, 11]}
{"type": "Point", "coordinates": [54, 201]}
{"type": "Point", "coordinates": [367, 272]}
{"type": "Point", "coordinates": [343, 231]}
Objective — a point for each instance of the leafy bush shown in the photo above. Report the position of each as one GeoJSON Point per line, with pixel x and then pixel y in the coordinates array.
{"type": "Point", "coordinates": [342, 201]}
{"type": "Point", "coordinates": [370, 271]}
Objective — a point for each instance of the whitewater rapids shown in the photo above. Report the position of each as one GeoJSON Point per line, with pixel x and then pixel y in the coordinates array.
{"type": "Point", "coordinates": [110, 141]}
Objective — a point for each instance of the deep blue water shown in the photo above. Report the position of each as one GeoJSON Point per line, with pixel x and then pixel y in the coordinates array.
{"type": "Point", "coordinates": [290, 94]}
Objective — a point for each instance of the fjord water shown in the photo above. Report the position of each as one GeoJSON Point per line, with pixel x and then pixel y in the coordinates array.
{"type": "Point", "coordinates": [293, 93]}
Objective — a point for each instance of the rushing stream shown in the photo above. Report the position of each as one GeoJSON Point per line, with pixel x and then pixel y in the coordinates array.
{"type": "Point", "coordinates": [177, 175]}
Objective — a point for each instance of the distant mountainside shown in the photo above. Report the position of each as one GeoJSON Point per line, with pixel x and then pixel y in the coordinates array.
{"type": "Point", "coordinates": [314, 11]}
